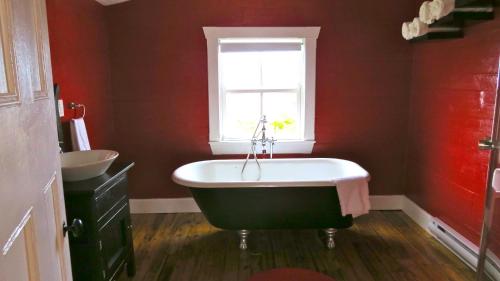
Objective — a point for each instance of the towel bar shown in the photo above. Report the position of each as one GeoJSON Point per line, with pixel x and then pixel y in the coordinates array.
{"type": "Point", "coordinates": [74, 106]}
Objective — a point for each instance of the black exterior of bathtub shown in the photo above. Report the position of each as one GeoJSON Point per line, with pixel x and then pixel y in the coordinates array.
{"type": "Point", "coordinates": [272, 208]}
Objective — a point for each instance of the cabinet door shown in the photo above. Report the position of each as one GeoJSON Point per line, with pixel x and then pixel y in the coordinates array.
{"type": "Point", "coordinates": [114, 242]}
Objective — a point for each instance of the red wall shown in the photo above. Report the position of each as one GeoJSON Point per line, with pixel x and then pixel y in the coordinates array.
{"type": "Point", "coordinates": [452, 102]}
{"type": "Point", "coordinates": [80, 63]}
{"type": "Point", "coordinates": [364, 77]}
{"type": "Point", "coordinates": [160, 95]}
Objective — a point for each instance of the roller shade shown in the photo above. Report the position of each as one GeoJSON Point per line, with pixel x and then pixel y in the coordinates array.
{"type": "Point", "coordinates": [234, 47]}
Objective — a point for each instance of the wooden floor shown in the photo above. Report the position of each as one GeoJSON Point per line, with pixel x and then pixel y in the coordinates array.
{"type": "Point", "coordinates": [384, 246]}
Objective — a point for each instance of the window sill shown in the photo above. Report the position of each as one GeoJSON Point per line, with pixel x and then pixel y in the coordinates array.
{"type": "Point", "coordinates": [243, 147]}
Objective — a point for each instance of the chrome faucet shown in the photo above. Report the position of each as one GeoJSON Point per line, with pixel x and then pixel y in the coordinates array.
{"type": "Point", "coordinates": [264, 141]}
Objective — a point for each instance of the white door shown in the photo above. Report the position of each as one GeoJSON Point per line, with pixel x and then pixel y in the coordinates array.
{"type": "Point", "coordinates": [32, 244]}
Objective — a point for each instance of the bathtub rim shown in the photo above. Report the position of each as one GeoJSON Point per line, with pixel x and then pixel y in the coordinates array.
{"type": "Point", "coordinates": [364, 175]}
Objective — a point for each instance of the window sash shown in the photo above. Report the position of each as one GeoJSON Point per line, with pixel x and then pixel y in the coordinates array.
{"type": "Point", "coordinates": [260, 47]}
{"type": "Point", "coordinates": [235, 91]}
{"type": "Point", "coordinates": [262, 92]}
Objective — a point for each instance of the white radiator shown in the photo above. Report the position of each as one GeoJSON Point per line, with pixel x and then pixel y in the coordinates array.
{"type": "Point", "coordinates": [463, 248]}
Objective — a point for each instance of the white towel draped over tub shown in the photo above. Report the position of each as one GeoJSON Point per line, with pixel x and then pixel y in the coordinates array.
{"type": "Point", "coordinates": [79, 138]}
{"type": "Point", "coordinates": [354, 197]}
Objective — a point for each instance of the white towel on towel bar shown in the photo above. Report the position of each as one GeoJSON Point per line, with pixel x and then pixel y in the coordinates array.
{"type": "Point", "coordinates": [79, 137]}
{"type": "Point", "coordinates": [354, 197]}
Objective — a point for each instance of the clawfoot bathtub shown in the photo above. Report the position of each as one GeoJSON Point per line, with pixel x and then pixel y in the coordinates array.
{"type": "Point", "coordinates": [283, 194]}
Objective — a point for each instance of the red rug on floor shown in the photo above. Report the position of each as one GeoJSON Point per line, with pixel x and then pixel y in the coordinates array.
{"type": "Point", "coordinates": [290, 274]}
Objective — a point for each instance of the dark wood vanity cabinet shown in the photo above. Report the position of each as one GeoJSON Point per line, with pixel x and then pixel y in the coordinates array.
{"type": "Point", "coordinates": [100, 231]}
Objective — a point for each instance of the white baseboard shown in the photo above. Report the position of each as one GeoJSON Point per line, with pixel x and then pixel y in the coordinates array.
{"type": "Point", "coordinates": [188, 205]}
{"type": "Point", "coordinates": [387, 202]}
{"type": "Point", "coordinates": [463, 248]}
{"type": "Point", "coordinates": [403, 203]}
{"type": "Point", "coordinates": [163, 205]}
{"type": "Point", "coordinates": [417, 214]}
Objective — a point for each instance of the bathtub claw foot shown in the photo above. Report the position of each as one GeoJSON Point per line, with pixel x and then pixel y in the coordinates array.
{"type": "Point", "coordinates": [330, 237]}
{"type": "Point", "coordinates": [243, 238]}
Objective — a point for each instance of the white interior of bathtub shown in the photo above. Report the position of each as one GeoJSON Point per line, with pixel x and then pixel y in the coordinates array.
{"type": "Point", "coordinates": [273, 172]}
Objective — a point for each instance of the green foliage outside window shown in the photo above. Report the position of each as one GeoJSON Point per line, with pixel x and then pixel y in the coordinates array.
{"type": "Point", "coordinates": [282, 124]}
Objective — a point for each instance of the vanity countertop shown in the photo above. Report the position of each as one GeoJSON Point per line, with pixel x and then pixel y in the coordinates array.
{"type": "Point", "coordinates": [94, 185]}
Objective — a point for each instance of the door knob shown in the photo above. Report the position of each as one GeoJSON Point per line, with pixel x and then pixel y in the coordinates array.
{"type": "Point", "coordinates": [486, 144]}
{"type": "Point", "coordinates": [76, 228]}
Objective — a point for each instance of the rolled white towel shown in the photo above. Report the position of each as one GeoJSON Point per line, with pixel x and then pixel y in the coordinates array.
{"type": "Point", "coordinates": [431, 11]}
{"type": "Point", "coordinates": [418, 28]}
{"type": "Point", "coordinates": [441, 8]}
{"type": "Point", "coordinates": [405, 30]}
{"type": "Point", "coordinates": [425, 14]}
{"type": "Point", "coordinates": [436, 9]}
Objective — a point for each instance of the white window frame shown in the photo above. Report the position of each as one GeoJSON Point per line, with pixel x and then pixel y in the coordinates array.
{"type": "Point", "coordinates": [213, 35]}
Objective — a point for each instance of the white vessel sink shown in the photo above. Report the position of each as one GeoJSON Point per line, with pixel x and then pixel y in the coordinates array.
{"type": "Point", "coordinates": [81, 165]}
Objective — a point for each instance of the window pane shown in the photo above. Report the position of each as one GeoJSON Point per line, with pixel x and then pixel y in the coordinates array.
{"type": "Point", "coordinates": [281, 70]}
{"type": "Point", "coordinates": [242, 113]}
{"type": "Point", "coordinates": [240, 70]}
{"type": "Point", "coordinates": [250, 73]}
{"type": "Point", "coordinates": [282, 113]}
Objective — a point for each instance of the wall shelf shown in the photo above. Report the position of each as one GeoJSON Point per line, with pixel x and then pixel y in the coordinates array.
{"type": "Point", "coordinates": [439, 35]}
{"type": "Point", "coordinates": [452, 26]}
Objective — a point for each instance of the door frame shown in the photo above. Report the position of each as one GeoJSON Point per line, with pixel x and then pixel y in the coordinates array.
{"type": "Point", "coordinates": [489, 202]}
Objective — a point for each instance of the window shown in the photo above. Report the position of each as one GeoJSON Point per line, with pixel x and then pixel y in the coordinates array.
{"type": "Point", "coordinates": [261, 77]}
{"type": "Point", "coordinates": [261, 71]}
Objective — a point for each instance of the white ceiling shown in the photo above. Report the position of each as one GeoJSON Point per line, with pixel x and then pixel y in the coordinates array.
{"type": "Point", "coordinates": [110, 2]}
